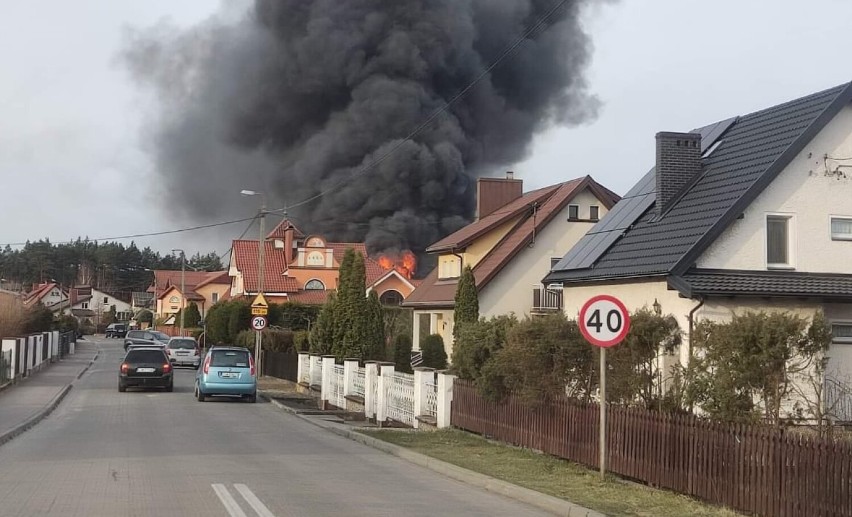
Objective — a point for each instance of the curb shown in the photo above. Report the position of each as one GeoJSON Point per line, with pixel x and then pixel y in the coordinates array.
{"type": "Point", "coordinates": [544, 502]}
{"type": "Point", "coordinates": [38, 417]}
{"type": "Point", "coordinates": [84, 370]}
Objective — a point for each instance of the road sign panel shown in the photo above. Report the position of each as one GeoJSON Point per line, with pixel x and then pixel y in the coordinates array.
{"type": "Point", "coordinates": [259, 301]}
{"type": "Point", "coordinates": [259, 311]}
{"type": "Point", "coordinates": [258, 323]}
{"type": "Point", "coordinates": [604, 321]}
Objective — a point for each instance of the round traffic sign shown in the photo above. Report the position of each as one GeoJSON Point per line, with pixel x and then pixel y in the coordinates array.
{"type": "Point", "coordinates": [258, 322]}
{"type": "Point", "coordinates": [604, 321]}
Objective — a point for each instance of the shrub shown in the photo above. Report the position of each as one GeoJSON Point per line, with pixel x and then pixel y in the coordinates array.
{"type": "Point", "coordinates": [274, 340]}
{"type": "Point", "coordinates": [12, 317]}
{"type": "Point", "coordinates": [302, 341]}
{"type": "Point", "coordinates": [38, 318]}
{"type": "Point", "coordinates": [477, 343]}
{"type": "Point", "coordinates": [466, 310]}
{"type": "Point", "coordinates": [402, 353]}
{"type": "Point", "coordinates": [434, 354]}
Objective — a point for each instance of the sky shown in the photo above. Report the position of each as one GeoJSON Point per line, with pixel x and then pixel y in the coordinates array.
{"type": "Point", "coordinates": [73, 161]}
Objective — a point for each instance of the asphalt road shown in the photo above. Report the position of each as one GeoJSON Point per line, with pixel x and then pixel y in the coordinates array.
{"type": "Point", "coordinates": [140, 453]}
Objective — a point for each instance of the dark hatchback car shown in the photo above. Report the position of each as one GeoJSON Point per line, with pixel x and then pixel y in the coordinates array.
{"type": "Point", "coordinates": [146, 368]}
{"type": "Point", "coordinates": [145, 338]}
{"type": "Point", "coordinates": [118, 330]}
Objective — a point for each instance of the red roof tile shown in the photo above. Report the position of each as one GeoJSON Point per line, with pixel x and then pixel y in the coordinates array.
{"type": "Point", "coordinates": [274, 281]}
{"type": "Point", "coordinates": [309, 297]}
{"type": "Point", "coordinates": [433, 292]}
{"type": "Point", "coordinates": [166, 278]}
{"type": "Point", "coordinates": [278, 231]}
{"type": "Point", "coordinates": [216, 277]}
{"type": "Point", "coordinates": [38, 293]}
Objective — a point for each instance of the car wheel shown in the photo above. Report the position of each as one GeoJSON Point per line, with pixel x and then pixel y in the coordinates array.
{"type": "Point", "coordinates": [251, 399]}
{"type": "Point", "coordinates": [199, 395]}
{"type": "Point", "coordinates": [122, 388]}
{"type": "Point", "coordinates": [170, 388]}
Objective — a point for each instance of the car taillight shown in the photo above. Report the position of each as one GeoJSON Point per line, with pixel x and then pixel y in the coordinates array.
{"type": "Point", "coordinates": [195, 352]}
{"type": "Point", "coordinates": [251, 365]}
{"type": "Point", "coordinates": [207, 365]}
{"type": "Point", "coordinates": [124, 367]}
{"type": "Point", "coordinates": [167, 368]}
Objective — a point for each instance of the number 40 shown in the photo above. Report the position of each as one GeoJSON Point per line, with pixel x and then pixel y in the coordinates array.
{"type": "Point", "coordinates": [613, 321]}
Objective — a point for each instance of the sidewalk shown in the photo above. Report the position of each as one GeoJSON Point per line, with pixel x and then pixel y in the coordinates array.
{"type": "Point", "coordinates": [24, 404]}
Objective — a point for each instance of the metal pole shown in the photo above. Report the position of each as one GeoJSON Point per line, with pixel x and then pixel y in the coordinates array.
{"type": "Point", "coordinates": [182, 288]}
{"type": "Point", "coordinates": [602, 430]}
{"type": "Point", "coordinates": [261, 245]}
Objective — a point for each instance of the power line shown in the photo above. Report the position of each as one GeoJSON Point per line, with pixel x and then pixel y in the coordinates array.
{"type": "Point", "coordinates": [222, 256]}
{"type": "Point", "coordinates": [435, 114]}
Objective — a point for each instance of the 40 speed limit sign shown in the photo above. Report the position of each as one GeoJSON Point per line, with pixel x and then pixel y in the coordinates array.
{"type": "Point", "coordinates": [604, 321]}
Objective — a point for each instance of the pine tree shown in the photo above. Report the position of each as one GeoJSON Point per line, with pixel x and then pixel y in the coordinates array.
{"type": "Point", "coordinates": [322, 334]}
{"type": "Point", "coordinates": [466, 303]}
{"type": "Point", "coordinates": [356, 331]}
{"type": "Point", "coordinates": [192, 317]}
{"type": "Point", "coordinates": [343, 306]}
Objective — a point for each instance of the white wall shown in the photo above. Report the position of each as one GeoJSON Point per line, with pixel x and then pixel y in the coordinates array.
{"type": "Point", "coordinates": [511, 291]}
{"type": "Point", "coordinates": [7, 345]}
{"type": "Point", "coordinates": [804, 191]}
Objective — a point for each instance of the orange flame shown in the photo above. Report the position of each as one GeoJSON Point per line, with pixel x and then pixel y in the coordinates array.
{"type": "Point", "coordinates": [404, 265]}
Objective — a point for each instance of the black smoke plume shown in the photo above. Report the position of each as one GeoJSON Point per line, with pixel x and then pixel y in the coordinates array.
{"type": "Point", "coordinates": [294, 97]}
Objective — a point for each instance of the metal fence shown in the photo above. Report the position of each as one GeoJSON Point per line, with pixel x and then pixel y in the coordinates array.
{"type": "Point", "coordinates": [400, 398]}
{"type": "Point", "coordinates": [838, 401]}
{"type": "Point", "coordinates": [432, 399]}
{"type": "Point", "coordinates": [754, 469]}
{"type": "Point", "coordinates": [358, 383]}
{"type": "Point", "coordinates": [281, 365]}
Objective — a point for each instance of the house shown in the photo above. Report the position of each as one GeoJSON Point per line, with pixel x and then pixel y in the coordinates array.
{"type": "Point", "coordinates": [201, 287]}
{"type": "Point", "coordinates": [510, 247]}
{"type": "Point", "coordinates": [305, 268]}
{"type": "Point", "coordinates": [752, 212]}
{"type": "Point", "coordinates": [91, 303]}
{"type": "Point", "coordinates": [49, 294]}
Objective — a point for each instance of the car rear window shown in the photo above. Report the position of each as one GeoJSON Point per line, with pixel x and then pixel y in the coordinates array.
{"type": "Point", "coordinates": [145, 356]}
{"type": "Point", "coordinates": [160, 336]}
{"type": "Point", "coordinates": [234, 358]}
{"type": "Point", "coordinates": [135, 334]}
{"type": "Point", "coordinates": [182, 344]}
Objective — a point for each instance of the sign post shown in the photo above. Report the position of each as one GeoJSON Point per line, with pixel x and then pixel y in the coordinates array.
{"type": "Point", "coordinates": [604, 322]}
{"type": "Point", "coordinates": [259, 310]}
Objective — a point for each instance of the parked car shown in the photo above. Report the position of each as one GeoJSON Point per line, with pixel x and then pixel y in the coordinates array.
{"type": "Point", "coordinates": [227, 371]}
{"type": "Point", "coordinates": [145, 367]}
{"type": "Point", "coordinates": [116, 330]}
{"type": "Point", "coordinates": [145, 337]}
{"type": "Point", "coordinates": [184, 351]}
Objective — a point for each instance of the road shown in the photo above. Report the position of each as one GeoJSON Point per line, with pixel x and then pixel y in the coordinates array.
{"type": "Point", "coordinates": [104, 453]}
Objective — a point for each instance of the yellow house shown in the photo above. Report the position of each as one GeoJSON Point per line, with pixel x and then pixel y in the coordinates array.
{"type": "Point", "coordinates": [203, 288]}
{"type": "Point", "coordinates": [510, 247]}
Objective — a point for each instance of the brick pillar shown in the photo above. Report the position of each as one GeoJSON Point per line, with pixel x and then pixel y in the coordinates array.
{"type": "Point", "coordinates": [421, 377]}
{"type": "Point", "coordinates": [445, 398]}
{"type": "Point", "coordinates": [350, 369]}
{"type": "Point", "coordinates": [327, 372]}
{"type": "Point", "coordinates": [385, 379]}
{"type": "Point", "coordinates": [371, 374]}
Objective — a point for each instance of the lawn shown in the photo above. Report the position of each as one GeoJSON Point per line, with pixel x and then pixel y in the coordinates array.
{"type": "Point", "coordinates": [549, 475]}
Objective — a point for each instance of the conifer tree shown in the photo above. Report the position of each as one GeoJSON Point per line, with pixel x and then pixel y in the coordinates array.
{"type": "Point", "coordinates": [466, 302]}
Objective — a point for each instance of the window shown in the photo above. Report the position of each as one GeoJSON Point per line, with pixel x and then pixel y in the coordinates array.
{"type": "Point", "coordinates": [594, 212]}
{"type": "Point", "coordinates": [215, 297]}
{"type": "Point", "coordinates": [229, 358]}
{"type": "Point", "coordinates": [316, 258]}
{"type": "Point", "coordinates": [573, 212]}
{"type": "Point", "coordinates": [841, 228]}
{"type": "Point", "coordinates": [778, 241]}
{"type": "Point", "coordinates": [390, 297]}
{"type": "Point", "coordinates": [842, 332]}
{"type": "Point", "coordinates": [314, 285]}
{"type": "Point", "coordinates": [174, 299]}
{"type": "Point", "coordinates": [553, 262]}
{"type": "Point", "coordinates": [106, 299]}
{"type": "Point", "coordinates": [85, 305]}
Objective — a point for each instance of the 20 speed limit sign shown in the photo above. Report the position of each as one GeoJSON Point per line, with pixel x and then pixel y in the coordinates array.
{"type": "Point", "coordinates": [258, 323]}
{"type": "Point", "coordinates": [604, 321]}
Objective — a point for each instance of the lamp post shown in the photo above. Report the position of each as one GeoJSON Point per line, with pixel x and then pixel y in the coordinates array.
{"type": "Point", "coordinates": [260, 266]}
{"type": "Point", "coordinates": [182, 286]}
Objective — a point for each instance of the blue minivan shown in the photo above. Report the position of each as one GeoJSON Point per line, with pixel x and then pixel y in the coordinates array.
{"type": "Point", "coordinates": [227, 371]}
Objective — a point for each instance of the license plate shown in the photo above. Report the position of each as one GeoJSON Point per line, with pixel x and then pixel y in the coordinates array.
{"type": "Point", "coordinates": [183, 353]}
{"type": "Point", "coordinates": [145, 370]}
{"type": "Point", "coordinates": [229, 375]}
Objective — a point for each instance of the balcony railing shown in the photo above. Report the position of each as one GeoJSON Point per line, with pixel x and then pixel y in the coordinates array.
{"type": "Point", "coordinates": [547, 300]}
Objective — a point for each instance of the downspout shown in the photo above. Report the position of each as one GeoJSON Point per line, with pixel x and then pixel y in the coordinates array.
{"type": "Point", "coordinates": [692, 326]}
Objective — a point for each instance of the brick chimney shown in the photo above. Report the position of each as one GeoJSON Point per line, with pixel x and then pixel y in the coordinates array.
{"type": "Point", "coordinates": [494, 193]}
{"type": "Point", "coordinates": [288, 244]}
{"type": "Point", "coordinates": [678, 162]}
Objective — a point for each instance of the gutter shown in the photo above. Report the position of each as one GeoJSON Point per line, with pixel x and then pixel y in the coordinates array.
{"type": "Point", "coordinates": [691, 318]}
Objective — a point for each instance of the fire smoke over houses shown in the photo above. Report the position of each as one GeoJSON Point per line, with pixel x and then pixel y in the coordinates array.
{"type": "Point", "coordinates": [294, 97]}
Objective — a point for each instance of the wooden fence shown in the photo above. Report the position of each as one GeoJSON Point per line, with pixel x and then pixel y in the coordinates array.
{"type": "Point", "coordinates": [754, 469]}
{"type": "Point", "coordinates": [281, 365]}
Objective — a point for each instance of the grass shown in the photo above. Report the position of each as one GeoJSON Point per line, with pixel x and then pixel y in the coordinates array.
{"type": "Point", "coordinates": [549, 475]}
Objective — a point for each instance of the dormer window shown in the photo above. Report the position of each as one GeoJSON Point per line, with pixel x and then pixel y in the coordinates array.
{"type": "Point", "coordinates": [778, 241]}
{"type": "Point", "coordinates": [573, 212]}
{"type": "Point", "coordinates": [314, 285]}
{"type": "Point", "coordinates": [315, 258]}
{"type": "Point", "coordinates": [594, 212]}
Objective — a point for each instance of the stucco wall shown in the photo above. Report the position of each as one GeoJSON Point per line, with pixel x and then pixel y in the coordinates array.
{"type": "Point", "coordinates": [303, 275]}
{"type": "Point", "coordinates": [805, 192]}
{"type": "Point", "coordinates": [511, 291]}
{"type": "Point", "coordinates": [207, 291]}
{"type": "Point", "coordinates": [476, 251]}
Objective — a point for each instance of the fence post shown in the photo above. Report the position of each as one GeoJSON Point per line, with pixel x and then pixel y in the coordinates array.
{"type": "Point", "coordinates": [315, 370]}
{"type": "Point", "coordinates": [371, 372]}
{"type": "Point", "coordinates": [445, 398]}
{"type": "Point", "coordinates": [350, 369]}
{"type": "Point", "coordinates": [300, 372]}
{"type": "Point", "coordinates": [325, 387]}
{"type": "Point", "coordinates": [385, 380]}
{"type": "Point", "coordinates": [421, 377]}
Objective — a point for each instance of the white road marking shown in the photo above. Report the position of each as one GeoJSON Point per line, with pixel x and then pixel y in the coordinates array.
{"type": "Point", "coordinates": [253, 501]}
{"type": "Point", "coordinates": [228, 501]}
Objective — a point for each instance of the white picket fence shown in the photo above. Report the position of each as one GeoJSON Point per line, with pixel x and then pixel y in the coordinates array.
{"type": "Point", "coordinates": [383, 394]}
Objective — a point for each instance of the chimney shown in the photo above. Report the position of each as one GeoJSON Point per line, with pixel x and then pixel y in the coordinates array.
{"type": "Point", "coordinates": [494, 193]}
{"type": "Point", "coordinates": [288, 244]}
{"type": "Point", "coordinates": [678, 162]}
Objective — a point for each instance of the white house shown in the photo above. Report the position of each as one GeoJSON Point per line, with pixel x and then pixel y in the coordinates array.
{"type": "Point", "coordinates": [85, 299]}
{"type": "Point", "coordinates": [512, 244]}
{"type": "Point", "coordinates": [752, 212]}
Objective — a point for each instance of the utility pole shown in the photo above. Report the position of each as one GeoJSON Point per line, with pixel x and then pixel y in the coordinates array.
{"type": "Point", "coordinates": [261, 245]}
{"type": "Point", "coordinates": [182, 287]}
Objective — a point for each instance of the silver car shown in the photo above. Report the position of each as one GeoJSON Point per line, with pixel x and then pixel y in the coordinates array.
{"type": "Point", "coordinates": [183, 351]}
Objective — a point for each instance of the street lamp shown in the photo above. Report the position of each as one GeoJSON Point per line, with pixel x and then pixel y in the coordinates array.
{"type": "Point", "coordinates": [182, 286]}
{"type": "Point", "coordinates": [260, 269]}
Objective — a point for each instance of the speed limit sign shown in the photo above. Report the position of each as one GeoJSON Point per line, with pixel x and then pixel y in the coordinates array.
{"type": "Point", "coordinates": [604, 321]}
{"type": "Point", "coordinates": [258, 322]}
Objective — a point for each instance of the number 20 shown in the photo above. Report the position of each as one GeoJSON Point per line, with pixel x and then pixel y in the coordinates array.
{"type": "Point", "coordinates": [594, 321]}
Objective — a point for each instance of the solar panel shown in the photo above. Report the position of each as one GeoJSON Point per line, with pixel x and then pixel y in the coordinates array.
{"type": "Point", "coordinates": [711, 133]}
{"type": "Point", "coordinates": [631, 207]}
